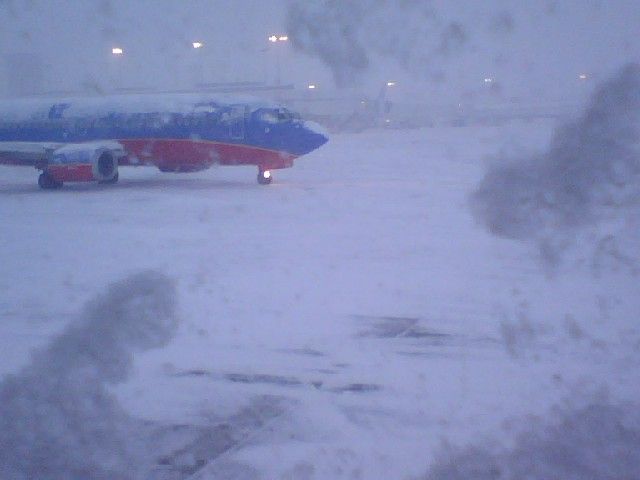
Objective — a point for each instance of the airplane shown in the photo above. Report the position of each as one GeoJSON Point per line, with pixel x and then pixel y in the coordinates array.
{"type": "Point", "coordinates": [89, 139]}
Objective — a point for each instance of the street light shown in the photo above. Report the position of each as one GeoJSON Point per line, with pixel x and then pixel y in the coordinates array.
{"type": "Point", "coordinates": [278, 38]}
{"type": "Point", "coordinates": [198, 68]}
{"type": "Point", "coordinates": [275, 39]}
{"type": "Point", "coordinates": [116, 66]}
{"type": "Point", "coordinates": [311, 86]}
{"type": "Point", "coordinates": [391, 84]}
{"type": "Point", "coordinates": [583, 76]}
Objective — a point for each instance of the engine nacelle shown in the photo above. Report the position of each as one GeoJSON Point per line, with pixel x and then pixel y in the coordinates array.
{"type": "Point", "coordinates": [85, 162]}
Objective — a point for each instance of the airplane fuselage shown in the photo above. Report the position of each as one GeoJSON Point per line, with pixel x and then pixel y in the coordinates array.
{"type": "Point", "coordinates": [175, 132]}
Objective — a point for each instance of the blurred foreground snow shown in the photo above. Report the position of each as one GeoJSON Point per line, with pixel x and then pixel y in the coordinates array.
{"type": "Point", "coordinates": [57, 418]}
{"type": "Point", "coordinates": [582, 194]}
{"type": "Point", "coordinates": [585, 186]}
{"type": "Point", "coordinates": [597, 441]}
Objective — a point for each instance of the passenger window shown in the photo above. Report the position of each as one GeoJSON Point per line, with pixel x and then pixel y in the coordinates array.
{"type": "Point", "coordinates": [206, 107]}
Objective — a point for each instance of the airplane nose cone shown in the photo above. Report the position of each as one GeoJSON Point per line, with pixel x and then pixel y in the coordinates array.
{"type": "Point", "coordinates": [316, 135]}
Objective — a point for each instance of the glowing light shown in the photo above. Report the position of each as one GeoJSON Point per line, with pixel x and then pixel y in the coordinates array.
{"type": "Point", "coordinates": [197, 44]}
{"type": "Point", "coordinates": [488, 80]}
{"type": "Point", "coordinates": [311, 86]}
{"type": "Point", "coordinates": [583, 76]}
{"type": "Point", "coordinates": [117, 51]}
{"type": "Point", "coordinates": [266, 174]}
{"type": "Point", "coordinates": [278, 38]}
{"type": "Point", "coordinates": [391, 84]}
{"type": "Point", "coordinates": [387, 121]}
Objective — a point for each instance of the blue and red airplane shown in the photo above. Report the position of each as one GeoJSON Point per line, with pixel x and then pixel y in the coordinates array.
{"type": "Point", "coordinates": [89, 139]}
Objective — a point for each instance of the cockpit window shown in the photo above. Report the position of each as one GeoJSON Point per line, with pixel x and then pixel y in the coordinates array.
{"type": "Point", "coordinates": [287, 115]}
{"type": "Point", "coordinates": [268, 116]}
{"type": "Point", "coordinates": [283, 115]}
{"type": "Point", "coordinates": [277, 115]}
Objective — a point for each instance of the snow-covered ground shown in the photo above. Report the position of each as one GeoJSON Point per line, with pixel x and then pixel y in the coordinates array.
{"type": "Point", "coordinates": [341, 323]}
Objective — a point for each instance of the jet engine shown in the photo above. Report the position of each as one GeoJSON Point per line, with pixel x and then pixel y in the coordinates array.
{"type": "Point", "coordinates": [85, 162]}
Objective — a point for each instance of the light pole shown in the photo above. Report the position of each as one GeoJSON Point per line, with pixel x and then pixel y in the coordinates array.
{"type": "Point", "coordinates": [117, 54]}
{"type": "Point", "coordinates": [275, 39]}
{"type": "Point", "coordinates": [198, 69]}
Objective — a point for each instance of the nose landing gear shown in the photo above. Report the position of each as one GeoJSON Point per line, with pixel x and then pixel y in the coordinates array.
{"type": "Point", "coordinates": [264, 177]}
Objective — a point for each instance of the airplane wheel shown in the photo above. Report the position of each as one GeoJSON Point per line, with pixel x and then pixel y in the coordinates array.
{"type": "Point", "coordinates": [264, 177]}
{"type": "Point", "coordinates": [47, 182]}
{"type": "Point", "coordinates": [110, 181]}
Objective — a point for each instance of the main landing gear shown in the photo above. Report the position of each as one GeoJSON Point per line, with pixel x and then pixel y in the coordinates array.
{"type": "Point", "coordinates": [264, 177]}
{"type": "Point", "coordinates": [111, 181]}
{"type": "Point", "coordinates": [47, 182]}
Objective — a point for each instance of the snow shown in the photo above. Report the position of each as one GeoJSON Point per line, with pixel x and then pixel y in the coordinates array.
{"type": "Point", "coordinates": [589, 175]}
{"type": "Point", "coordinates": [39, 108]}
{"type": "Point", "coordinates": [57, 418]}
{"type": "Point", "coordinates": [446, 49]}
{"type": "Point", "coordinates": [76, 148]}
{"type": "Point", "coordinates": [341, 323]}
{"type": "Point", "coordinates": [29, 147]}
{"type": "Point", "coordinates": [597, 441]}
{"type": "Point", "coordinates": [316, 128]}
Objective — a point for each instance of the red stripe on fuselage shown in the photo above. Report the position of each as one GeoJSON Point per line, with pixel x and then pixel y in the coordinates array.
{"type": "Point", "coordinates": [192, 155]}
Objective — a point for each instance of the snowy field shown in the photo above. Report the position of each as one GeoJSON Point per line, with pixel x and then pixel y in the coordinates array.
{"type": "Point", "coordinates": [342, 323]}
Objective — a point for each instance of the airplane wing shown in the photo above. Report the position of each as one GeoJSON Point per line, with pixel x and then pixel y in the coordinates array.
{"type": "Point", "coordinates": [31, 154]}
{"type": "Point", "coordinates": [66, 162]}
{"type": "Point", "coordinates": [41, 154]}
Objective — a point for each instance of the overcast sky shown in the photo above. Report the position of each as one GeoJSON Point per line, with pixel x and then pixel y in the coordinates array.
{"type": "Point", "coordinates": [532, 49]}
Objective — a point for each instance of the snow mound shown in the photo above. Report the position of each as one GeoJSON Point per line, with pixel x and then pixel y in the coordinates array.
{"type": "Point", "coordinates": [587, 181]}
{"type": "Point", "coordinates": [598, 441]}
{"type": "Point", "coordinates": [57, 418]}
